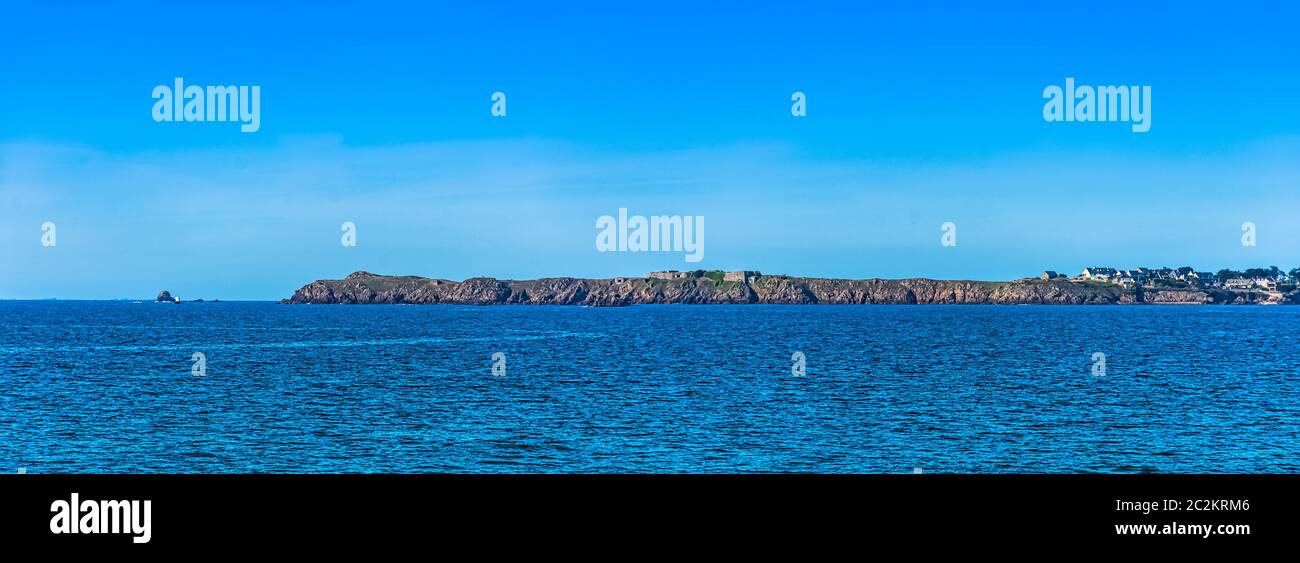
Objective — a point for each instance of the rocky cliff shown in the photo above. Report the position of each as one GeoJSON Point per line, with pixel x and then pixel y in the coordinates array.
{"type": "Point", "coordinates": [364, 287]}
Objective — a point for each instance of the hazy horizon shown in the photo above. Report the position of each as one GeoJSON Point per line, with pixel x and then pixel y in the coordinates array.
{"type": "Point", "coordinates": [914, 119]}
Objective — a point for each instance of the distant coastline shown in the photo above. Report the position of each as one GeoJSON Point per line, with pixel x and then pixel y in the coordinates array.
{"type": "Point", "coordinates": [1096, 286]}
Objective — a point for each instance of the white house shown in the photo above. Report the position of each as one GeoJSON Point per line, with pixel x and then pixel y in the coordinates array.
{"type": "Point", "coordinates": [1099, 274]}
{"type": "Point", "coordinates": [1237, 283]}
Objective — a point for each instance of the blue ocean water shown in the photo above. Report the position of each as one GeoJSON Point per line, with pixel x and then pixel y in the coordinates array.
{"type": "Point", "coordinates": [107, 387]}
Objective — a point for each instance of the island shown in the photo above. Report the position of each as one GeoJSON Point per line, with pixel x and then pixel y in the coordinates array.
{"type": "Point", "coordinates": [1095, 286]}
{"type": "Point", "coordinates": [166, 296]}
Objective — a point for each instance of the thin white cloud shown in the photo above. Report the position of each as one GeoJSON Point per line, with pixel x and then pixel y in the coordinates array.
{"type": "Point", "coordinates": [267, 219]}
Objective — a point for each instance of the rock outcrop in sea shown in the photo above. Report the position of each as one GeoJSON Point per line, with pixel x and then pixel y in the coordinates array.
{"type": "Point", "coordinates": [365, 288]}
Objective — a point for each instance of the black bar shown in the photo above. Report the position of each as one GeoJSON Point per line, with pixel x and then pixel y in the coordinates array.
{"type": "Point", "coordinates": [567, 511]}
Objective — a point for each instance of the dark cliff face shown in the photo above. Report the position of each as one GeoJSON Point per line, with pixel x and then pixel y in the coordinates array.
{"type": "Point", "coordinates": [364, 287]}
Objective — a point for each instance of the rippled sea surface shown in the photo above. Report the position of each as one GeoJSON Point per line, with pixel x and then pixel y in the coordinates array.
{"type": "Point", "coordinates": [107, 387]}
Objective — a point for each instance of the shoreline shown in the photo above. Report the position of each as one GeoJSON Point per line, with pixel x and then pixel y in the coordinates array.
{"type": "Point", "coordinates": [747, 288]}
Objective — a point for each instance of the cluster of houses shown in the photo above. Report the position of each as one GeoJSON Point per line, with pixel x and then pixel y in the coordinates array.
{"type": "Point", "coordinates": [1151, 277]}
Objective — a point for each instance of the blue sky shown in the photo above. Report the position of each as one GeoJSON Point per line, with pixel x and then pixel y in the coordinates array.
{"type": "Point", "coordinates": [918, 113]}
